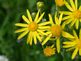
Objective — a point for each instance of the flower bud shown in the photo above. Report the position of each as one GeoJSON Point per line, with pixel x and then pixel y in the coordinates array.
{"type": "Point", "coordinates": [59, 2]}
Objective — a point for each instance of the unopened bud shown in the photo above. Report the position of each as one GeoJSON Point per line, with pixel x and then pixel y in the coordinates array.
{"type": "Point", "coordinates": [40, 5]}
{"type": "Point", "coordinates": [59, 2]}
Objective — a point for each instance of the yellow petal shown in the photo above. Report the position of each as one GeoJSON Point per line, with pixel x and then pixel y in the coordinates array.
{"type": "Point", "coordinates": [70, 49]}
{"type": "Point", "coordinates": [31, 38]}
{"type": "Point", "coordinates": [77, 24]}
{"type": "Point", "coordinates": [73, 22]}
{"type": "Point", "coordinates": [67, 35]}
{"type": "Point", "coordinates": [50, 19]}
{"type": "Point", "coordinates": [44, 27]}
{"type": "Point", "coordinates": [44, 42]}
{"type": "Point", "coordinates": [68, 21]}
{"type": "Point", "coordinates": [29, 16]}
{"type": "Point", "coordinates": [52, 46]}
{"type": "Point", "coordinates": [74, 33]}
{"type": "Point", "coordinates": [74, 53]}
{"type": "Point", "coordinates": [44, 23]}
{"type": "Point", "coordinates": [28, 37]}
{"type": "Point", "coordinates": [39, 37]}
{"type": "Point", "coordinates": [63, 25]}
{"type": "Point", "coordinates": [80, 8]}
{"type": "Point", "coordinates": [58, 45]}
{"type": "Point", "coordinates": [37, 15]}
{"type": "Point", "coordinates": [66, 12]}
{"type": "Point", "coordinates": [47, 33]}
{"type": "Point", "coordinates": [68, 6]}
{"type": "Point", "coordinates": [21, 25]}
{"type": "Point", "coordinates": [80, 34]}
{"type": "Point", "coordinates": [69, 43]}
{"type": "Point", "coordinates": [41, 32]}
{"type": "Point", "coordinates": [22, 35]}
{"type": "Point", "coordinates": [60, 18]}
{"type": "Point", "coordinates": [66, 17]}
{"type": "Point", "coordinates": [68, 46]}
{"type": "Point", "coordinates": [76, 4]}
{"type": "Point", "coordinates": [21, 30]}
{"type": "Point", "coordinates": [72, 4]}
{"type": "Point", "coordinates": [35, 40]}
{"type": "Point", "coordinates": [25, 19]}
{"type": "Point", "coordinates": [40, 18]}
{"type": "Point", "coordinates": [57, 20]}
{"type": "Point", "coordinates": [80, 52]}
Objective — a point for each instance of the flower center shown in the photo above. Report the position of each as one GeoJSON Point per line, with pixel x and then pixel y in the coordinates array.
{"type": "Point", "coordinates": [79, 44]}
{"type": "Point", "coordinates": [56, 30]}
{"type": "Point", "coordinates": [32, 26]}
{"type": "Point", "coordinates": [48, 51]}
{"type": "Point", "coordinates": [76, 14]}
{"type": "Point", "coordinates": [59, 2]}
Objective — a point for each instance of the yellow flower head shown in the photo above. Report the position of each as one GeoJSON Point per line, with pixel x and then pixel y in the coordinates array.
{"type": "Point", "coordinates": [74, 43]}
{"type": "Point", "coordinates": [49, 50]}
{"type": "Point", "coordinates": [55, 30]}
{"type": "Point", "coordinates": [34, 29]}
{"type": "Point", "coordinates": [73, 16]}
{"type": "Point", "coordinates": [59, 2]}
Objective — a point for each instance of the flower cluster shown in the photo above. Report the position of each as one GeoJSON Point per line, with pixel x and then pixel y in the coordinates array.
{"type": "Point", "coordinates": [54, 29]}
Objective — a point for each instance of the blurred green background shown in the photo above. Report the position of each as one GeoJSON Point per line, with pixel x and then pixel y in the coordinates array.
{"type": "Point", "coordinates": [17, 50]}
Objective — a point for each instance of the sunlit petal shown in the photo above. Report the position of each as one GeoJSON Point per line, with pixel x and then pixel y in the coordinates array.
{"type": "Point", "coordinates": [29, 16]}
{"type": "Point", "coordinates": [21, 25]}
{"type": "Point", "coordinates": [46, 39]}
{"type": "Point", "coordinates": [40, 18]}
{"type": "Point", "coordinates": [80, 52]}
{"type": "Point", "coordinates": [58, 45]}
{"type": "Point", "coordinates": [44, 23]}
{"type": "Point", "coordinates": [37, 15]}
{"type": "Point", "coordinates": [57, 20]}
{"type": "Point", "coordinates": [25, 19]}
{"type": "Point", "coordinates": [50, 19]}
{"type": "Point", "coordinates": [76, 4]}
{"type": "Point", "coordinates": [80, 34]}
{"type": "Point", "coordinates": [21, 30]}
{"type": "Point", "coordinates": [74, 33]}
{"type": "Point", "coordinates": [68, 6]}
{"type": "Point", "coordinates": [35, 40]}
{"type": "Point", "coordinates": [66, 17]}
{"type": "Point", "coordinates": [67, 35]}
{"type": "Point", "coordinates": [22, 35]}
{"type": "Point", "coordinates": [39, 37]}
{"type": "Point", "coordinates": [60, 18]}
{"type": "Point", "coordinates": [74, 53]}
{"type": "Point", "coordinates": [77, 24]}
{"type": "Point", "coordinates": [72, 4]}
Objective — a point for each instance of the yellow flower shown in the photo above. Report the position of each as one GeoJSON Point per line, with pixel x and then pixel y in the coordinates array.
{"type": "Point", "coordinates": [59, 2]}
{"type": "Point", "coordinates": [49, 50]}
{"type": "Point", "coordinates": [74, 44]}
{"type": "Point", "coordinates": [55, 30]}
{"type": "Point", "coordinates": [33, 29]}
{"type": "Point", "coordinates": [73, 16]}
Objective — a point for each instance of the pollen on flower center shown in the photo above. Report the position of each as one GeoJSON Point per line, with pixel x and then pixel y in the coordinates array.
{"type": "Point", "coordinates": [56, 30]}
{"type": "Point", "coordinates": [79, 44]}
{"type": "Point", "coordinates": [76, 14]}
{"type": "Point", "coordinates": [32, 26]}
{"type": "Point", "coordinates": [48, 51]}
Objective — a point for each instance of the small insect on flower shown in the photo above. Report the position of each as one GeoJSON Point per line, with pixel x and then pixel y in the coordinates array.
{"type": "Point", "coordinates": [55, 30]}
{"type": "Point", "coordinates": [33, 29]}
{"type": "Point", "coordinates": [49, 50]}
{"type": "Point", "coordinates": [59, 2]}
{"type": "Point", "coordinates": [73, 16]}
{"type": "Point", "coordinates": [73, 44]}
